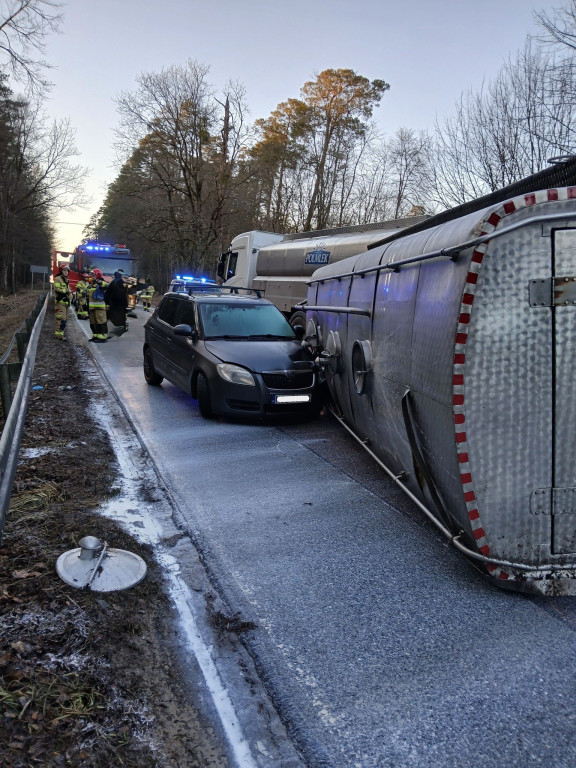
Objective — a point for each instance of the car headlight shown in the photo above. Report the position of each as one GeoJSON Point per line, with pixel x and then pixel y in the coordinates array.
{"type": "Point", "coordinates": [235, 374]}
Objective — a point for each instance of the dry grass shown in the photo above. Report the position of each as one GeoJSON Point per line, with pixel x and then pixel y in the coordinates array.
{"type": "Point", "coordinates": [73, 691]}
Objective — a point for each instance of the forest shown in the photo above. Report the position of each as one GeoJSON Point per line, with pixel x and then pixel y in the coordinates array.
{"type": "Point", "coordinates": [194, 171]}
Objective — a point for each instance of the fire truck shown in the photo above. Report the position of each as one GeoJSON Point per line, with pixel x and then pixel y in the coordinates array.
{"type": "Point", "coordinates": [91, 254]}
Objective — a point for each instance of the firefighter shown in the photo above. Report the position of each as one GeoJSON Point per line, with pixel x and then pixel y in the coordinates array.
{"type": "Point", "coordinates": [97, 308]}
{"type": "Point", "coordinates": [62, 297]}
{"type": "Point", "coordinates": [82, 297]}
{"type": "Point", "coordinates": [147, 295]}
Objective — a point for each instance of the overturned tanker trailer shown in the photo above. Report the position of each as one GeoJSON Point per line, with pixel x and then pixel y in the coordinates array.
{"type": "Point", "coordinates": [451, 354]}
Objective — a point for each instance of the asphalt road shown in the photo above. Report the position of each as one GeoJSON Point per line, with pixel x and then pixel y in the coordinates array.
{"type": "Point", "coordinates": [379, 645]}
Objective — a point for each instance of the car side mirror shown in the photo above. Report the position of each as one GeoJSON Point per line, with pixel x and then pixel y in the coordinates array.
{"type": "Point", "coordinates": [185, 330]}
{"type": "Point", "coordinates": [300, 331]}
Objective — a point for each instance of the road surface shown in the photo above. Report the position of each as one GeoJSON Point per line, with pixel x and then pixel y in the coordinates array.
{"type": "Point", "coordinates": [377, 643]}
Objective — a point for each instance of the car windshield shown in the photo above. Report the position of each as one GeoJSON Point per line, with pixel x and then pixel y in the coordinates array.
{"type": "Point", "coordinates": [254, 321]}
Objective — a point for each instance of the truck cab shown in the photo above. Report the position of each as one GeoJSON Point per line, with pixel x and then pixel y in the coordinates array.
{"type": "Point", "coordinates": [237, 266]}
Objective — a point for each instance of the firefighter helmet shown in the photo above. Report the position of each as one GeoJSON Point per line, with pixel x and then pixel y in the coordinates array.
{"type": "Point", "coordinates": [64, 265]}
{"type": "Point", "coordinates": [98, 274]}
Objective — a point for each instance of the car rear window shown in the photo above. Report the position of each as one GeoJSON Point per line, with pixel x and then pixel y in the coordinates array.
{"type": "Point", "coordinates": [242, 321]}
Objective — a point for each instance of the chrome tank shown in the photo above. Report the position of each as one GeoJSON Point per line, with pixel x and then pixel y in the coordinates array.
{"type": "Point", "coordinates": [303, 256]}
{"type": "Point", "coordinates": [283, 269]}
{"type": "Point", "coordinates": [483, 343]}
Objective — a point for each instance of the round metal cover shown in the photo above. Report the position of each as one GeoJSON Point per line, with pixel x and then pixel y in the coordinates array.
{"type": "Point", "coordinates": [312, 333]}
{"type": "Point", "coordinates": [334, 348]}
{"type": "Point", "coordinates": [361, 364]}
{"type": "Point", "coordinates": [109, 571]}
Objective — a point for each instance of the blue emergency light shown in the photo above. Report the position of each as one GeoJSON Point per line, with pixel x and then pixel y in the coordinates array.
{"type": "Point", "coordinates": [190, 277]}
{"type": "Point", "coordinates": [94, 247]}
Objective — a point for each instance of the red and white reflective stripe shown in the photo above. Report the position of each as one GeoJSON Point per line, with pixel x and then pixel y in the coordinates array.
{"type": "Point", "coordinates": [459, 365]}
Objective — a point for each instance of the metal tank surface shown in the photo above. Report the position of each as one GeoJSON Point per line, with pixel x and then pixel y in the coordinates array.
{"type": "Point", "coordinates": [451, 354]}
{"type": "Point", "coordinates": [284, 268]}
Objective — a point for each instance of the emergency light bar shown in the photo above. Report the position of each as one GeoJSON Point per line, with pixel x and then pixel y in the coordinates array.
{"type": "Point", "coordinates": [190, 277]}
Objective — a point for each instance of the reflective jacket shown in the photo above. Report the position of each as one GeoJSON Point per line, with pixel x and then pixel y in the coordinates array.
{"type": "Point", "coordinates": [96, 303]}
{"type": "Point", "coordinates": [81, 287]}
{"type": "Point", "coordinates": [62, 291]}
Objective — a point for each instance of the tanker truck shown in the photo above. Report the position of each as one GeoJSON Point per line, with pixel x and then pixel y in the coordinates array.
{"type": "Point", "coordinates": [449, 355]}
{"type": "Point", "coordinates": [279, 266]}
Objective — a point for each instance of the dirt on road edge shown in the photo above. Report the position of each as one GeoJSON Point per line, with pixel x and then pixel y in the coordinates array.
{"type": "Point", "coordinates": [86, 679]}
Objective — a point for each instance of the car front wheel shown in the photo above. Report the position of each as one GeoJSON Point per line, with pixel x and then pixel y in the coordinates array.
{"type": "Point", "coordinates": [150, 374]}
{"type": "Point", "coordinates": [203, 394]}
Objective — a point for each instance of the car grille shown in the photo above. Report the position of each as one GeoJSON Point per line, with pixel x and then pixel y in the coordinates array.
{"type": "Point", "coordinates": [299, 380]}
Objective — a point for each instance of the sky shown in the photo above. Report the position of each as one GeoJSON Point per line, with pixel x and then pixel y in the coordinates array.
{"type": "Point", "coordinates": [429, 51]}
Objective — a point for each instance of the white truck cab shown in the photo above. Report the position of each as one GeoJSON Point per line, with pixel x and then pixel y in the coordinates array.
{"type": "Point", "coordinates": [237, 267]}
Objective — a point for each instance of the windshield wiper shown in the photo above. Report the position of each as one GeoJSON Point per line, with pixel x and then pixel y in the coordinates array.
{"type": "Point", "coordinates": [222, 336]}
{"type": "Point", "coordinates": [269, 336]}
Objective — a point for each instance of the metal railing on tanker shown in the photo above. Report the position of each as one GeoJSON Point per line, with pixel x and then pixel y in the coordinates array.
{"type": "Point", "coordinates": [15, 405]}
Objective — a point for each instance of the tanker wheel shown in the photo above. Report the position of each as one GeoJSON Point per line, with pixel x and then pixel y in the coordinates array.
{"type": "Point", "coordinates": [298, 318]}
{"type": "Point", "coordinates": [152, 378]}
{"type": "Point", "coordinates": [203, 395]}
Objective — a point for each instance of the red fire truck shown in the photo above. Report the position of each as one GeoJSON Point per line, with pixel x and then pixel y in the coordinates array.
{"type": "Point", "coordinates": [92, 254]}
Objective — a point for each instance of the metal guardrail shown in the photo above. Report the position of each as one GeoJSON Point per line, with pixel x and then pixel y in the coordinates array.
{"type": "Point", "coordinates": [10, 372]}
{"type": "Point", "coordinates": [15, 412]}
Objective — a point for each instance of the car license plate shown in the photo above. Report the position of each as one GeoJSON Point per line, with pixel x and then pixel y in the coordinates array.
{"type": "Point", "coordinates": [281, 399]}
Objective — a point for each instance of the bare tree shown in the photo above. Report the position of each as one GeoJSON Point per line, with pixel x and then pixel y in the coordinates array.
{"type": "Point", "coordinates": [185, 142]}
{"type": "Point", "coordinates": [24, 26]}
{"type": "Point", "coordinates": [508, 129]}
{"type": "Point", "coordinates": [37, 177]}
{"type": "Point", "coordinates": [559, 25]}
{"type": "Point", "coordinates": [393, 178]}
{"type": "Point", "coordinates": [373, 199]}
{"type": "Point", "coordinates": [411, 170]}
{"type": "Point", "coordinates": [55, 180]}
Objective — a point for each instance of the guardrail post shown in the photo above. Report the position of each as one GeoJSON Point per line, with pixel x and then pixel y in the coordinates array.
{"type": "Point", "coordinates": [9, 372]}
{"type": "Point", "coordinates": [21, 341]}
{"type": "Point", "coordinates": [5, 389]}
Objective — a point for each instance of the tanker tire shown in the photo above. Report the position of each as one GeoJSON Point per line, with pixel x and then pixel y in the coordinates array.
{"type": "Point", "coordinates": [203, 395]}
{"type": "Point", "coordinates": [152, 378]}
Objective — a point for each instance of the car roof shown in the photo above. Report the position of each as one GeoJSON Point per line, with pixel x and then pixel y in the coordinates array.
{"type": "Point", "coordinates": [205, 297]}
